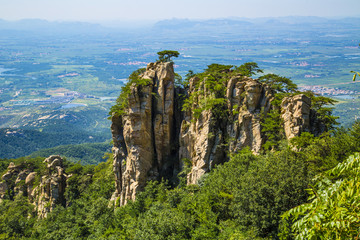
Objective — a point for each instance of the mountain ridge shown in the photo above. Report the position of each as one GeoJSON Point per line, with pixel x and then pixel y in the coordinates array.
{"type": "Point", "coordinates": [222, 111]}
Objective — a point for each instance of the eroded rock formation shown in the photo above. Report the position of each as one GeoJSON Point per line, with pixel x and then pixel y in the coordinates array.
{"type": "Point", "coordinates": [296, 113]}
{"type": "Point", "coordinates": [207, 140]}
{"type": "Point", "coordinates": [144, 136]}
{"type": "Point", "coordinates": [154, 136]}
{"type": "Point", "coordinates": [52, 187]}
{"type": "Point", "coordinates": [298, 117]}
{"type": "Point", "coordinates": [43, 191]}
{"type": "Point", "coordinates": [13, 182]}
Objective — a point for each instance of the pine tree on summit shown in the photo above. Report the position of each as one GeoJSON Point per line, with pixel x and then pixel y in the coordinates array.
{"type": "Point", "coordinates": [166, 55]}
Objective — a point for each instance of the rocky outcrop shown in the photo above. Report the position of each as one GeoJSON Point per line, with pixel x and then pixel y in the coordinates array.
{"type": "Point", "coordinates": [296, 113]}
{"type": "Point", "coordinates": [153, 137]}
{"type": "Point", "coordinates": [52, 187]}
{"type": "Point", "coordinates": [43, 191]}
{"type": "Point", "coordinates": [299, 117]}
{"type": "Point", "coordinates": [13, 181]}
{"type": "Point", "coordinates": [249, 101]}
{"type": "Point", "coordinates": [206, 140]}
{"type": "Point", "coordinates": [144, 136]}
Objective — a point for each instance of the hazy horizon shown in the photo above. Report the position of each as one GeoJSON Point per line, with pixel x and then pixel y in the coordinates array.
{"type": "Point", "coordinates": [133, 23]}
{"type": "Point", "coordinates": [142, 11]}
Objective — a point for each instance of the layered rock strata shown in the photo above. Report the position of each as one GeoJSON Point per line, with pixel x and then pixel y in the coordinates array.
{"type": "Point", "coordinates": [153, 137]}
{"type": "Point", "coordinates": [144, 136]}
{"type": "Point", "coordinates": [206, 141]}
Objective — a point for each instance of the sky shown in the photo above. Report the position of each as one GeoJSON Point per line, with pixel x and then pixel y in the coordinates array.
{"type": "Point", "coordinates": [130, 10]}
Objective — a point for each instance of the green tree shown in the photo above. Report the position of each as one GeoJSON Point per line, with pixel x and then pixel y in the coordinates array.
{"type": "Point", "coordinates": [333, 212]}
{"type": "Point", "coordinates": [278, 83]}
{"type": "Point", "coordinates": [322, 106]}
{"type": "Point", "coordinates": [166, 55]}
{"type": "Point", "coordinates": [248, 69]}
{"type": "Point", "coordinates": [255, 190]}
{"type": "Point", "coordinates": [16, 220]}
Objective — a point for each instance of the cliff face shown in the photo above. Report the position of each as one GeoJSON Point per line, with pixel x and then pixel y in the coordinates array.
{"type": "Point", "coordinates": [144, 136]}
{"type": "Point", "coordinates": [43, 191]}
{"type": "Point", "coordinates": [298, 116]}
{"type": "Point", "coordinates": [150, 142]}
{"type": "Point", "coordinates": [207, 140]}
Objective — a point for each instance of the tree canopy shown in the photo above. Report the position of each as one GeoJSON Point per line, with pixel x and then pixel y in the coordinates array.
{"type": "Point", "coordinates": [166, 55]}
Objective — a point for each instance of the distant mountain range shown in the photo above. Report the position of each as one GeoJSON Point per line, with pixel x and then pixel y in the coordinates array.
{"type": "Point", "coordinates": [255, 22]}
{"type": "Point", "coordinates": [173, 24]}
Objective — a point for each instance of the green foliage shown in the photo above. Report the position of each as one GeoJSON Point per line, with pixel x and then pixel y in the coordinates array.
{"type": "Point", "coordinates": [333, 212]}
{"type": "Point", "coordinates": [272, 122]}
{"type": "Point", "coordinates": [166, 55]}
{"type": "Point", "coordinates": [210, 91]}
{"type": "Point", "coordinates": [163, 222]}
{"type": "Point", "coordinates": [322, 107]}
{"type": "Point", "coordinates": [248, 69]}
{"type": "Point", "coordinates": [16, 143]}
{"type": "Point", "coordinates": [272, 129]}
{"type": "Point", "coordinates": [324, 152]}
{"type": "Point", "coordinates": [188, 76]}
{"type": "Point", "coordinates": [255, 190]}
{"type": "Point", "coordinates": [242, 199]}
{"type": "Point", "coordinates": [16, 221]}
{"type": "Point", "coordinates": [122, 100]}
{"type": "Point", "coordinates": [278, 83]}
{"type": "Point", "coordinates": [86, 153]}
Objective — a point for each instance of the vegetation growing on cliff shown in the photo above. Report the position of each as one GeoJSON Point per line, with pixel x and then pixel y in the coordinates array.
{"type": "Point", "coordinates": [209, 89]}
{"type": "Point", "coordinates": [122, 101]}
{"type": "Point", "coordinates": [208, 93]}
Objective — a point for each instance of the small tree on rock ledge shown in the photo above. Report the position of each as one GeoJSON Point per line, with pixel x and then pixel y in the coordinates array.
{"type": "Point", "coordinates": [166, 55]}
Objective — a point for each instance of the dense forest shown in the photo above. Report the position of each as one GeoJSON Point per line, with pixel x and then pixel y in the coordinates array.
{"type": "Point", "coordinates": [245, 198]}
{"type": "Point", "coordinates": [305, 188]}
{"type": "Point", "coordinates": [16, 142]}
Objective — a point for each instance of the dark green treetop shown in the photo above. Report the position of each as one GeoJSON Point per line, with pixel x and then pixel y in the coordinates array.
{"type": "Point", "coordinates": [248, 69]}
{"type": "Point", "coordinates": [166, 55]}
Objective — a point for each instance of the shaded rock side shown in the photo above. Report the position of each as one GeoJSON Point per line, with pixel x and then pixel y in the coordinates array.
{"type": "Point", "coordinates": [143, 136]}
